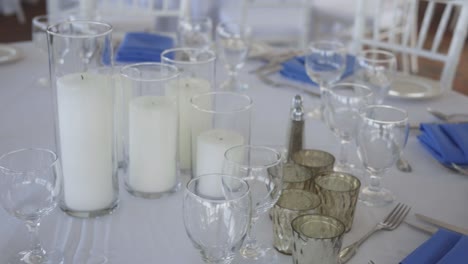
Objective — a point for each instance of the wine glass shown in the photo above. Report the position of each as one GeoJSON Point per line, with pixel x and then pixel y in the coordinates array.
{"type": "Point", "coordinates": [29, 189]}
{"type": "Point", "coordinates": [382, 135]}
{"type": "Point", "coordinates": [195, 32]}
{"type": "Point", "coordinates": [39, 38]}
{"type": "Point", "coordinates": [233, 46]}
{"type": "Point", "coordinates": [376, 69]}
{"type": "Point", "coordinates": [217, 210]}
{"type": "Point", "coordinates": [325, 64]}
{"type": "Point", "coordinates": [261, 168]}
{"type": "Point", "coordinates": [343, 102]}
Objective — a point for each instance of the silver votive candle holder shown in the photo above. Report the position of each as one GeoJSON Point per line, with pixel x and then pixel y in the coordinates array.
{"type": "Point", "coordinates": [316, 161]}
{"type": "Point", "coordinates": [296, 176]}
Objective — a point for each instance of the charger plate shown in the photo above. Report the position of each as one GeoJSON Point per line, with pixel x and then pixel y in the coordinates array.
{"type": "Point", "coordinates": [8, 54]}
{"type": "Point", "coordinates": [414, 87]}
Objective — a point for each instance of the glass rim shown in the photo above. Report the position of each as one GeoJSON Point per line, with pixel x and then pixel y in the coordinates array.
{"type": "Point", "coordinates": [269, 165]}
{"type": "Point", "coordinates": [318, 216]}
{"type": "Point", "coordinates": [311, 207]}
{"type": "Point", "coordinates": [200, 18]}
{"type": "Point", "coordinates": [243, 26]}
{"type": "Point", "coordinates": [211, 59]}
{"type": "Point", "coordinates": [302, 167]}
{"type": "Point", "coordinates": [402, 111]}
{"type": "Point", "coordinates": [340, 174]}
{"type": "Point", "coordinates": [247, 106]}
{"type": "Point", "coordinates": [159, 64]}
{"type": "Point", "coordinates": [242, 181]}
{"type": "Point", "coordinates": [331, 159]}
{"type": "Point", "coordinates": [107, 29]}
{"type": "Point", "coordinates": [337, 45]}
{"type": "Point", "coordinates": [363, 55]}
{"type": "Point", "coordinates": [16, 172]}
{"type": "Point", "coordinates": [365, 87]}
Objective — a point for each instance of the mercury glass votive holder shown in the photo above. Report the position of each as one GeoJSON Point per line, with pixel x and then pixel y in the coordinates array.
{"type": "Point", "coordinates": [296, 176]}
{"type": "Point", "coordinates": [338, 192]}
{"type": "Point", "coordinates": [316, 161]}
{"type": "Point", "coordinates": [290, 205]}
{"type": "Point", "coordinates": [317, 239]}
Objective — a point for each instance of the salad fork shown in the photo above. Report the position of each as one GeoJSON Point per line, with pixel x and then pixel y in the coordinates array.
{"type": "Point", "coordinates": [391, 222]}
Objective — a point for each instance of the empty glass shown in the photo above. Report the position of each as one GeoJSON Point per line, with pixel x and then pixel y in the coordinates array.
{"type": "Point", "coordinates": [29, 189]}
{"type": "Point", "coordinates": [343, 102]}
{"type": "Point", "coordinates": [233, 41]}
{"type": "Point", "coordinates": [376, 69]}
{"type": "Point", "coordinates": [261, 168]}
{"type": "Point", "coordinates": [195, 32]}
{"type": "Point", "coordinates": [39, 38]}
{"type": "Point", "coordinates": [325, 64]}
{"type": "Point", "coordinates": [382, 135]}
{"type": "Point", "coordinates": [217, 218]}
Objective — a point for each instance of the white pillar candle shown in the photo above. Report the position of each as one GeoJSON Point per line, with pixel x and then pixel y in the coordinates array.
{"type": "Point", "coordinates": [186, 88]}
{"type": "Point", "coordinates": [85, 113]}
{"type": "Point", "coordinates": [152, 144]}
{"type": "Point", "coordinates": [211, 146]}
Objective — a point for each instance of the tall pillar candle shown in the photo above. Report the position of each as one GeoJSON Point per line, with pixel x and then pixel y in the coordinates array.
{"type": "Point", "coordinates": [85, 123]}
{"type": "Point", "coordinates": [152, 141]}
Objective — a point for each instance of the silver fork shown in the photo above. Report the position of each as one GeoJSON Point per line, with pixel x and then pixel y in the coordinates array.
{"type": "Point", "coordinates": [391, 221]}
{"type": "Point", "coordinates": [459, 169]}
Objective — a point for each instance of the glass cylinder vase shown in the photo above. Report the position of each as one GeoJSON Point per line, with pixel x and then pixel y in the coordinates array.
{"type": "Point", "coordinates": [80, 58]}
{"type": "Point", "coordinates": [219, 121]}
{"type": "Point", "coordinates": [151, 137]}
{"type": "Point", "coordinates": [197, 67]}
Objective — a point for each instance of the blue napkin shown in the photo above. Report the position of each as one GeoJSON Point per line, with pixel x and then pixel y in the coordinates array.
{"type": "Point", "coordinates": [294, 69]}
{"type": "Point", "coordinates": [141, 47]}
{"type": "Point", "coordinates": [446, 142]}
{"type": "Point", "coordinates": [444, 247]}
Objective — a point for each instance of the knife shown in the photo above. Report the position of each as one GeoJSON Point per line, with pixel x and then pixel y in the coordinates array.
{"type": "Point", "coordinates": [427, 229]}
{"type": "Point", "coordinates": [439, 223]}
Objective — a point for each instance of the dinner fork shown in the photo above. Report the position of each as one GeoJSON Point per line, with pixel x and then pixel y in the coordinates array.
{"type": "Point", "coordinates": [391, 221]}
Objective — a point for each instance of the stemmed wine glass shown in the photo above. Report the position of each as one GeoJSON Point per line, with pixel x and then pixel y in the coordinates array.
{"type": "Point", "coordinates": [195, 32]}
{"type": "Point", "coordinates": [376, 69]}
{"type": "Point", "coordinates": [29, 189]}
{"type": "Point", "coordinates": [261, 168]}
{"type": "Point", "coordinates": [382, 135]}
{"type": "Point", "coordinates": [233, 42]}
{"type": "Point", "coordinates": [217, 211]}
{"type": "Point", "coordinates": [325, 64]}
{"type": "Point", "coordinates": [343, 101]}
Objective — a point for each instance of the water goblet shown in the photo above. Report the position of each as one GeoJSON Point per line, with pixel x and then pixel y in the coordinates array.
{"type": "Point", "coordinates": [29, 189]}
{"type": "Point", "coordinates": [261, 168]}
{"type": "Point", "coordinates": [343, 102]}
{"type": "Point", "coordinates": [195, 32]}
{"type": "Point", "coordinates": [376, 69]}
{"type": "Point", "coordinates": [382, 135]}
{"type": "Point", "coordinates": [233, 46]}
{"type": "Point", "coordinates": [325, 64]}
{"type": "Point", "coordinates": [217, 211]}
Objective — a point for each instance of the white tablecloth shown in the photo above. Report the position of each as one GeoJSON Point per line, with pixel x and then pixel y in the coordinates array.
{"type": "Point", "coordinates": [152, 231]}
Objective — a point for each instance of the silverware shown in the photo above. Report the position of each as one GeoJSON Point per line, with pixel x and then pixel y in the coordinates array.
{"type": "Point", "coordinates": [391, 221]}
{"type": "Point", "coordinates": [371, 262]}
{"type": "Point", "coordinates": [427, 229]}
{"type": "Point", "coordinates": [459, 169]}
{"type": "Point", "coordinates": [446, 117]}
{"type": "Point", "coordinates": [442, 224]}
{"type": "Point", "coordinates": [403, 165]}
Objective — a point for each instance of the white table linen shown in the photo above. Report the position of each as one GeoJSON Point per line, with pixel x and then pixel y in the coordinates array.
{"type": "Point", "coordinates": [152, 231]}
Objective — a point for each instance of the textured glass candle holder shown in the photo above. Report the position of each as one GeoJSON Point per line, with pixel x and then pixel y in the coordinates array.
{"type": "Point", "coordinates": [296, 176]}
{"type": "Point", "coordinates": [316, 161]}
{"type": "Point", "coordinates": [290, 205]}
{"type": "Point", "coordinates": [338, 192]}
{"type": "Point", "coordinates": [317, 239]}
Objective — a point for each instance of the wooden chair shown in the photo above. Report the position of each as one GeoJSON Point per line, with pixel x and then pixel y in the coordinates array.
{"type": "Point", "coordinates": [417, 42]}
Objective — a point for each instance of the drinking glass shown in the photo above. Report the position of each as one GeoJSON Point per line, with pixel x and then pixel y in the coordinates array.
{"type": "Point", "coordinates": [29, 189]}
{"type": "Point", "coordinates": [376, 69]}
{"type": "Point", "coordinates": [382, 135]}
{"type": "Point", "coordinates": [195, 32]}
{"type": "Point", "coordinates": [233, 46]}
{"type": "Point", "coordinates": [261, 168]}
{"type": "Point", "coordinates": [39, 38]}
{"type": "Point", "coordinates": [343, 102]}
{"type": "Point", "coordinates": [325, 64]}
{"type": "Point", "coordinates": [217, 211]}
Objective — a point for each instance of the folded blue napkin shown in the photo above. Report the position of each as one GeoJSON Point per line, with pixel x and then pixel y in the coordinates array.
{"type": "Point", "coordinates": [142, 46]}
{"type": "Point", "coordinates": [294, 69]}
{"type": "Point", "coordinates": [446, 142]}
{"type": "Point", "coordinates": [444, 247]}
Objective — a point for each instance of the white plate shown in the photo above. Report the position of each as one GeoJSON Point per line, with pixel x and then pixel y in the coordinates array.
{"type": "Point", "coordinates": [8, 53]}
{"type": "Point", "coordinates": [414, 87]}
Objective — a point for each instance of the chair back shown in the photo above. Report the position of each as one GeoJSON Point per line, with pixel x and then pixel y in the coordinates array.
{"type": "Point", "coordinates": [408, 39]}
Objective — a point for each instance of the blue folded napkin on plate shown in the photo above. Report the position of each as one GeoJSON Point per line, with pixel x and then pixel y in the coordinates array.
{"type": "Point", "coordinates": [294, 69]}
{"type": "Point", "coordinates": [444, 247]}
{"type": "Point", "coordinates": [142, 46]}
{"type": "Point", "coordinates": [448, 143]}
